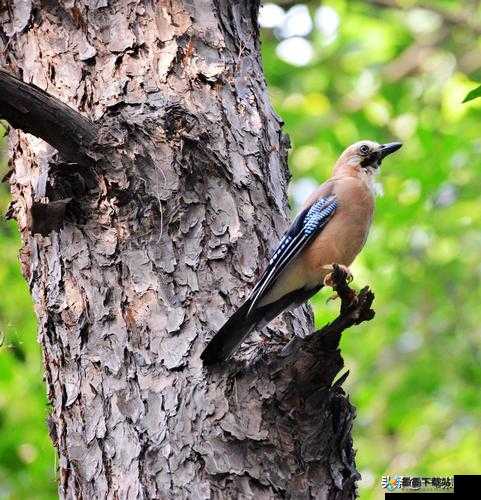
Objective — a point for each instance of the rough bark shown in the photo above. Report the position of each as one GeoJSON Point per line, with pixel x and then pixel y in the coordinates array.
{"type": "Point", "coordinates": [165, 221]}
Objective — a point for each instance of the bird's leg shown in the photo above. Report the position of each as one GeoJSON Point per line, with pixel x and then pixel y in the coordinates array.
{"type": "Point", "coordinates": [329, 278]}
{"type": "Point", "coordinates": [338, 280]}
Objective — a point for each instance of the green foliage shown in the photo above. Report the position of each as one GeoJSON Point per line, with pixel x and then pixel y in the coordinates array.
{"type": "Point", "coordinates": [474, 94]}
{"type": "Point", "coordinates": [416, 368]}
{"type": "Point", "coordinates": [27, 459]}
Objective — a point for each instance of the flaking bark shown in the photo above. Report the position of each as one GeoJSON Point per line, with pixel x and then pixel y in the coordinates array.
{"type": "Point", "coordinates": [166, 223]}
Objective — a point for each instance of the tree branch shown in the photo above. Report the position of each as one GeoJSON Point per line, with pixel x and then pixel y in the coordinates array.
{"type": "Point", "coordinates": [309, 397]}
{"type": "Point", "coordinates": [355, 309]}
{"type": "Point", "coordinates": [355, 306]}
{"type": "Point", "coordinates": [31, 109]}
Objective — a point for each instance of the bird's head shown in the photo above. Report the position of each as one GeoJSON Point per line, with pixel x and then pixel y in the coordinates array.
{"type": "Point", "coordinates": [364, 157]}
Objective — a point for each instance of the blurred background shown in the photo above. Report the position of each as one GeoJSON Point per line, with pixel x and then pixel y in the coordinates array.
{"type": "Point", "coordinates": [339, 71]}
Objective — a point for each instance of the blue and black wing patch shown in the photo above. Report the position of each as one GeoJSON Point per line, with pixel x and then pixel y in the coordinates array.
{"type": "Point", "coordinates": [304, 228]}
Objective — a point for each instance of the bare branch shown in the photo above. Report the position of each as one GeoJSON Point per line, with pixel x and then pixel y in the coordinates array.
{"type": "Point", "coordinates": [355, 309]}
{"type": "Point", "coordinates": [31, 109]}
{"type": "Point", "coordinates": [355, 306]}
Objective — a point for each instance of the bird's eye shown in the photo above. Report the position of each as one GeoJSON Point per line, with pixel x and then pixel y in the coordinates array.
{"type": "Point", "coordinates": [364, 149]}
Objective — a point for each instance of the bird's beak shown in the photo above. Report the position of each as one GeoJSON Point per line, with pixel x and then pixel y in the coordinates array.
{"type": "Point", "coordinates": [387, 149]}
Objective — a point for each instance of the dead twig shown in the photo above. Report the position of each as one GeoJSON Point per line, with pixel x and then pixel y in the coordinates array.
{"type": "Point", "coordinates": [317, 357]}
{"type": "Point", "coordinates": [355, 306]}
{"type": "Point", "coordinates": [323, 343]}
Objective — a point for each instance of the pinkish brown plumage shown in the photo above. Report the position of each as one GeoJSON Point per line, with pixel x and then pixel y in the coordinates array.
{"type": "Point", "coordinates": [331, 228]}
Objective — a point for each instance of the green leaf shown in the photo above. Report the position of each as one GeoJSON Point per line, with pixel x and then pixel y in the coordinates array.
{"type": "Point", "coordinates": [475, 93]}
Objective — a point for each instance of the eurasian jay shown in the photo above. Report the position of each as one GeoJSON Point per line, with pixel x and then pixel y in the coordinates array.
{"type": "Point", "coordinates": [331, 228]}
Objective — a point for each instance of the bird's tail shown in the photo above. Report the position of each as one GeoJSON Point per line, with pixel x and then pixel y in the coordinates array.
{"type": "Point", "coordinates": [225, 341]}
{"type": "Point", "coordinates": [241, 323]}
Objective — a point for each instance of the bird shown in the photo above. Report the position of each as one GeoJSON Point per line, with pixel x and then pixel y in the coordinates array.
{"type": "Point", "coordinates": [330, 229]}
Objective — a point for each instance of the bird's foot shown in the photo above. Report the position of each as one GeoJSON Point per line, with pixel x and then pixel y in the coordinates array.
{"type": "Point", "coordinates": [329, 279]}
{"type": "Point", "coordinates": [338, 279]}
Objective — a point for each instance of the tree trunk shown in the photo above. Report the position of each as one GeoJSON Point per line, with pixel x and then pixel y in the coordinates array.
{"type": "Point", "coordinates": [139, 246]}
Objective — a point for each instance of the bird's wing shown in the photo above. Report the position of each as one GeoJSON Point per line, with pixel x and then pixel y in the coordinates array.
{"type": "Point", "coordinates": [304, 228]}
